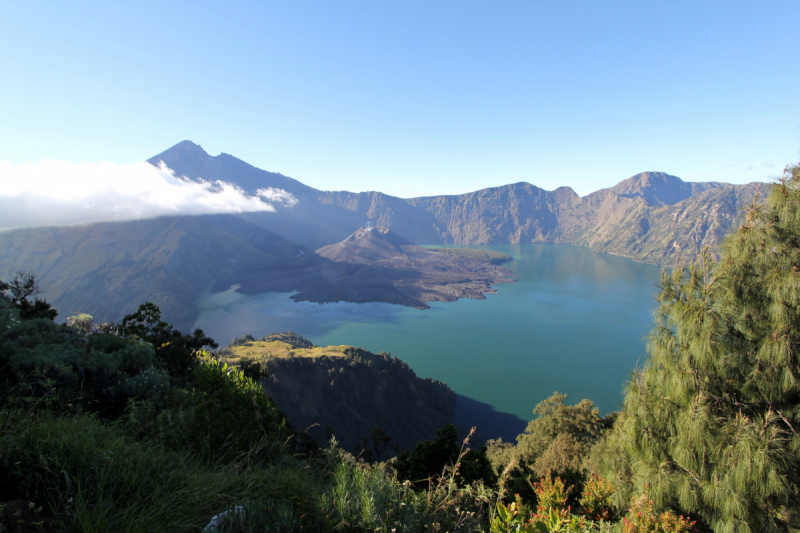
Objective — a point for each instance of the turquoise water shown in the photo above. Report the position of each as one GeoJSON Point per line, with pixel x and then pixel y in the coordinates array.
{"type": "Point", "coordinates": [574, 322]}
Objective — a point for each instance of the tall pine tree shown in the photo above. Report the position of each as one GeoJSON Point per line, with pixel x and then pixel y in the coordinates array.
{"type": "Point", "coordinates": [712, 421]}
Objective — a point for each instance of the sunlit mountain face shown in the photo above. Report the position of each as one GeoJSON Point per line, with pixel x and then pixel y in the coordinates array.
{"type": "Point", "coordinates": [110, 267]}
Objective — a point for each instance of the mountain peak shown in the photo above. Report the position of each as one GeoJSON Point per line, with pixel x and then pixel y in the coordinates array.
{"type": "Point", "coordinates": [660, 188]}
{"type": "Point", "coordinates": [367, 245]}
{"type": "Point", "coordinates": [190, 160]}
{"type": "Point", "coordinates": [377, 234]}
{"type": "Point", "coordinates": [186, 159]}
{"type": "Point", "coordinates": [187, 145]}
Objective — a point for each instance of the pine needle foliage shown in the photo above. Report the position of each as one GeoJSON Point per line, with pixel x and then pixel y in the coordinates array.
{"type": "Point", "coordinates": [712, 420]}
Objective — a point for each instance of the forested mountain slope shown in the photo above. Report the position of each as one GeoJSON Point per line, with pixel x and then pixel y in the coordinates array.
{"type": "Point", "coordinates": [111, 268]}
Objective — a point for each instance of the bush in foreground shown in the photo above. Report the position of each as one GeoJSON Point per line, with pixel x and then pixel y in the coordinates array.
{"type": "Point", "coordinates": [712, 422]}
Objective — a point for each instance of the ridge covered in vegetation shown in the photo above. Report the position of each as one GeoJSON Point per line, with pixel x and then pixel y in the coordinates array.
{"type": "Point", "coordinates": [372, 403]}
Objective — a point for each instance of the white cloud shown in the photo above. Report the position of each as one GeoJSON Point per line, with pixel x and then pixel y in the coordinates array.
{"type": "Point", "coordinates": [60, 193]}
{"type": "Point", "coordinates": [278, 196]}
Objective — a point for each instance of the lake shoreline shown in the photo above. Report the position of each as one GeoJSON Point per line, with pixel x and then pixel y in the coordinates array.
{"type": "Point", "coordinates": [574, 322]}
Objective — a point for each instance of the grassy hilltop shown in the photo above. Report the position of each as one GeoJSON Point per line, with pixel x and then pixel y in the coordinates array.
{"type": "Point", "coordinates": [346, 392]}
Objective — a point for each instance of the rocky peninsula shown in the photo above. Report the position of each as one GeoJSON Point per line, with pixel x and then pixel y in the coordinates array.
{"type": "Point", "coordinates": [376, 264]}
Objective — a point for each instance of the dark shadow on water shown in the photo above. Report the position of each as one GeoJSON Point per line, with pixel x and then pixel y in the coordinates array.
{"type": "Point", "coordinates": [489, 423]}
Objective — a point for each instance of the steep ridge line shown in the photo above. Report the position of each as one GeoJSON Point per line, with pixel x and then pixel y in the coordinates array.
{"type": "Point", "coordinates": [112, 267]}
{"type": "Point", "coordinates": [636, 218]}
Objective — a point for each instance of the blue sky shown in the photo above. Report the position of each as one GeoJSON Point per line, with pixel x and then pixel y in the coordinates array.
{"type": "Point", "coordinates": [410, 98]}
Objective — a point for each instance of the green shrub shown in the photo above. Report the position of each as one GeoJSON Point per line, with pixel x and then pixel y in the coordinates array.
{"type": "Point", "coordinates": [176, 352]}
{"type": "Point", "coordinates": [38, 344]}
{"type": "Point", "coordinates": [362, 496]}
{"type": "Point", "coordinates": [365, 497]}
{"type": "Point", "coordinates": [106, 342]}
{"type": "Point", "coordinates": [97, 371]}
{"type": "Point", "coordinates": [151, 385]}
{"type": "Point", "coordinates": [229, 414]}
{"type": "Point", "coordinates": [135, 355]}
{"type": "Point", "coordinates": [641, 518]}
{"type": "Point", "coordinates": [552, 494]}
{"type": "Point", "coordinates": [434, 458]}
{"type": "Point", "coordinates": [596, 499]}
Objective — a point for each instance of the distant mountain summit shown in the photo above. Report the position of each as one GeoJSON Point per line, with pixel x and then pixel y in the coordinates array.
{"type": "Point", "coordinates": [369, 245]}
{"type": "Point", "coordinates": [659, 188]}
{"type": "Point", "coordinates": [652, 217]}
{"type": "Point", "coordinates": [188, 159]}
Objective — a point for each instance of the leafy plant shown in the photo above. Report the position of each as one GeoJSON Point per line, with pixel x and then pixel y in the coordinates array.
{"type": "Point", "coordinates": [22, 292]}
{"type": "Point", "coordinates": [511, 520]}
{"type": "Point", "coordinates": [229, 413]}
{"type": "Point", "coordinates": [596, 499]}
{"type": "Point", "coordinates": [557, 522]}
{"type": "Point", "coordinates": [551, 495]}
{"type": "Point", "coordinates": [641, 518]}
{"type": "Point", "coordinates": [176, 352]}
{"type": "Point", "coordinates": [432, 458]}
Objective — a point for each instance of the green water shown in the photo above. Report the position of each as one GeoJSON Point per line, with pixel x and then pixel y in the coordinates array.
{"type": "Point", "coordinates": [573, 322]}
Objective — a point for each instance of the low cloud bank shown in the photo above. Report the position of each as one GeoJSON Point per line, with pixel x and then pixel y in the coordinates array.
{"type": "Point", "coordinates": [57, 193]}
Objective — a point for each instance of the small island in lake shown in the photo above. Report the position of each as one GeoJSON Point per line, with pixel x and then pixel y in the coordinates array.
{"type": "Point", "coordinates": [378, 265]}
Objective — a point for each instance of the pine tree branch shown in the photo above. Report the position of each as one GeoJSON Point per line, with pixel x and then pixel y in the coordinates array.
{"type": "Point", "coordinates": [791, 427]}
{"type": "Point", "coordinates": [691, 474]}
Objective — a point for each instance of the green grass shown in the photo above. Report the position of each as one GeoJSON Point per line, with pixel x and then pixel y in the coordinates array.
{"type": "Point", "coordinates": [98, 478]}
{"type": "Point", "coordinates": [277, 349]}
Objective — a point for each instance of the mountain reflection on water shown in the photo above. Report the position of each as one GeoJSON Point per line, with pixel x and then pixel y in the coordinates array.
{"type": "Point", "coordinates": [575, 321]}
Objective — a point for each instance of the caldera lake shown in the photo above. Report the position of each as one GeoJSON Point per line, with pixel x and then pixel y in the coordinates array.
{"type": "Point", "coordinates": [575, 321]}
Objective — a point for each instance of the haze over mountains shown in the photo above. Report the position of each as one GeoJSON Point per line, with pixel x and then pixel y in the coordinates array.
{"type": "Point", "coordinates": [651, 217]}
{"type": "Point", "coordinates": [109, 268]}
